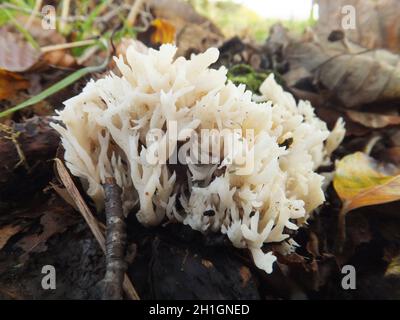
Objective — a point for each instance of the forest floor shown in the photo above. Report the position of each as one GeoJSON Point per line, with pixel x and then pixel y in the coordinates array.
{"type": "Point", "coordinates": [354, 75]}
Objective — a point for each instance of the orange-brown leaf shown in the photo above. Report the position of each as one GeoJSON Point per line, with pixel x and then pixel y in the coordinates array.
{"type": "Point", "coordinates": [164, 32]}
{"type": "Point", "coordinates": [373, 120]}
{"type": "Point", "coordinates": [10, 83]}
{"type": "Point", "coordinates": [7, 232]}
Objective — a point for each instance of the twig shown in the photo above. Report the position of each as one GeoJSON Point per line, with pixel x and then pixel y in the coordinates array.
{"type": "Point", "coordinates": [371, 144]}
{"type": "Point", "coordinates": [91, 221]}
{"type": "Point", "coordinates": [87, 54]}
{"type": "Point", "coordinates": [80, 203]}
{"type": "Point", "coordinates": [64, 14]}
{"type": "Point", "coordinates": [34, 13]}
{"type": "Point", "coordinates": [130, 21]}
{"type": "Point", "coordinates": [68, 45]}
{"type": "Point", "coordinates": [13, 136]}
{"type": "Point", "coordinates": [115, 243]}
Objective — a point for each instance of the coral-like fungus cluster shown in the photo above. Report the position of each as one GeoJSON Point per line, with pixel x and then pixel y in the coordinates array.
{"type": "Point", "coordinates": [130, 126]}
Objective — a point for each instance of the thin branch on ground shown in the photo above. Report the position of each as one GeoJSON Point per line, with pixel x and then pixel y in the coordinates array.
{"type": "Point", "coordinates": [91, 221]}
{"type": "Point", "coordinates": [115, 241]}
{"type": "Point", "coordinates": [130, 21]}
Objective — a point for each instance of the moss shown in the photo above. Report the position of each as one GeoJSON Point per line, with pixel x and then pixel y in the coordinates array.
{"type": "Point", "coordinates": [245, 74]}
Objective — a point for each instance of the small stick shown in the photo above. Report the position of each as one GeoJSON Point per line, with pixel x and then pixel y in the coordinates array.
{"type": "Point", "coordinates": [64, 14]}
{"type": "Point", "coordinates": [35, 12]}
{"type": "Point", "coordinates": [130, 21]}
{"type": "Point", "coordinates": [90, 220]}
{"type": "Point", "coordinates": [115, 241]}
{"type": "Point", "coordinates": [68, 45]}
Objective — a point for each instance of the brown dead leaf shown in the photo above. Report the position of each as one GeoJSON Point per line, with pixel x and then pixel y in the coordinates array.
{"type": "Point", "coordinates": [16, 54]}
{"type": "Point", "coordinates": [311, 274]}
{"type": "Point", "coordinates": [59, 58]}
{"type": "Point", "coordinates": [10, 83]}
{"type": "Point", "coordinates": [351, 74]}
{"type": "Point", "coordinates": [373, 120]}
{"type": "Point", "coordinates": [10, 293]}
{"type": "Point", "coordinates": [313, 245]}
{"type": "Point", "coordinates": [245, 274]}
{"type": "Point", "coordinates": [302, 270]}
{"type": "Point", "coordinates": [378, 24]}
{"type": "Point", "coordinates": [392, 155]}
{"type": "Point", "coordinates": [43, 37]}
{"type": "Point", "coordinates": [207, 263]}
{"type": "Point", "coordinates": [53, 222]}
{"type": "Point", "coordinates": [194, 32]}
{"type": "Point", "coordinates": [21, 53]}
{"type": "Point", "coordinates": [7, 232]}
{"type": "Point", "coordinates": [359, 231]}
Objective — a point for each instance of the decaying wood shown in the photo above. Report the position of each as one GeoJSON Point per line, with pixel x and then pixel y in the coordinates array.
{"type": "Point", "coordinates": [25, 149]}
{"type": "Point", "coordinates": [115, 242]}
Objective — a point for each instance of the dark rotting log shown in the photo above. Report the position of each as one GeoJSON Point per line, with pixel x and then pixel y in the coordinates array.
{"type": "Point", "coordinates": [25, 150]}
{"type": "Point", "coordinates": [115, 242]}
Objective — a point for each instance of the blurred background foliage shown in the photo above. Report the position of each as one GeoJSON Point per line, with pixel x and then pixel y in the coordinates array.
{"type": "Point", "coordinates": [234, 18]}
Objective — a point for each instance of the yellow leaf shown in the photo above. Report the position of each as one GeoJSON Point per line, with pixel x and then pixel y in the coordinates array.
{"type": "Point", "coordinates": [361, 181]}
{"type": "Point", "coordinates": [164, 32]}
{"type": "Point", "coordinates": [393, 268]}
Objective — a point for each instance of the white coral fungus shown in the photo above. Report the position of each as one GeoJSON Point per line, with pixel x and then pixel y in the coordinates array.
{"type": "Point", "coordinates": [107, 130]}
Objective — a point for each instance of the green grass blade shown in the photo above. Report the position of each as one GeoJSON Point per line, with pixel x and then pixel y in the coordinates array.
{"type": "Point", "coordinates": [21, 29]}
{"type": "Point", "coordinates": [55, 88]}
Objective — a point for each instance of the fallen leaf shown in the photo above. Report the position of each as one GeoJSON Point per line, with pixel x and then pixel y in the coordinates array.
{"type": "Point", "coordinates": [207, 263]}
{"type": "Point", "coordinates": [10, 294]}
{"type": "Point", "coordinates": [10, 83]}
{"type": "Point", "coordinates": [20, 56]}
{"type": "Point", "coordinates": [313, 245]}
{"type": "Point", "coordinates": [373, 120]}
{"type": "Point", "coordinates": [194, 32]}
{"type": "Point", "coordinates": [392, 155]}
{"type": "Point", "coordinates": [7, 232]}
{"type": "Point", "coordinates": [53, 222]}
{"type": "Point", "coordinates": [164, 32]}
{"type": "Point", "coordinates": [378, 25]}
{"type": "Point", "coordinates": [361, 181]}
{"type": "Point", "coordinates": [16, 54]}
{"type": "Point", "coordinates": [43, 37]}
{"type": "Point", "coordinates": [393, 268]}
{"type": "Point", "coordinates": [59, 58]}
{"type": "Point", "coordinates": [245, 274]}
{"type": "Point", "coordinates": [350, 74]}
